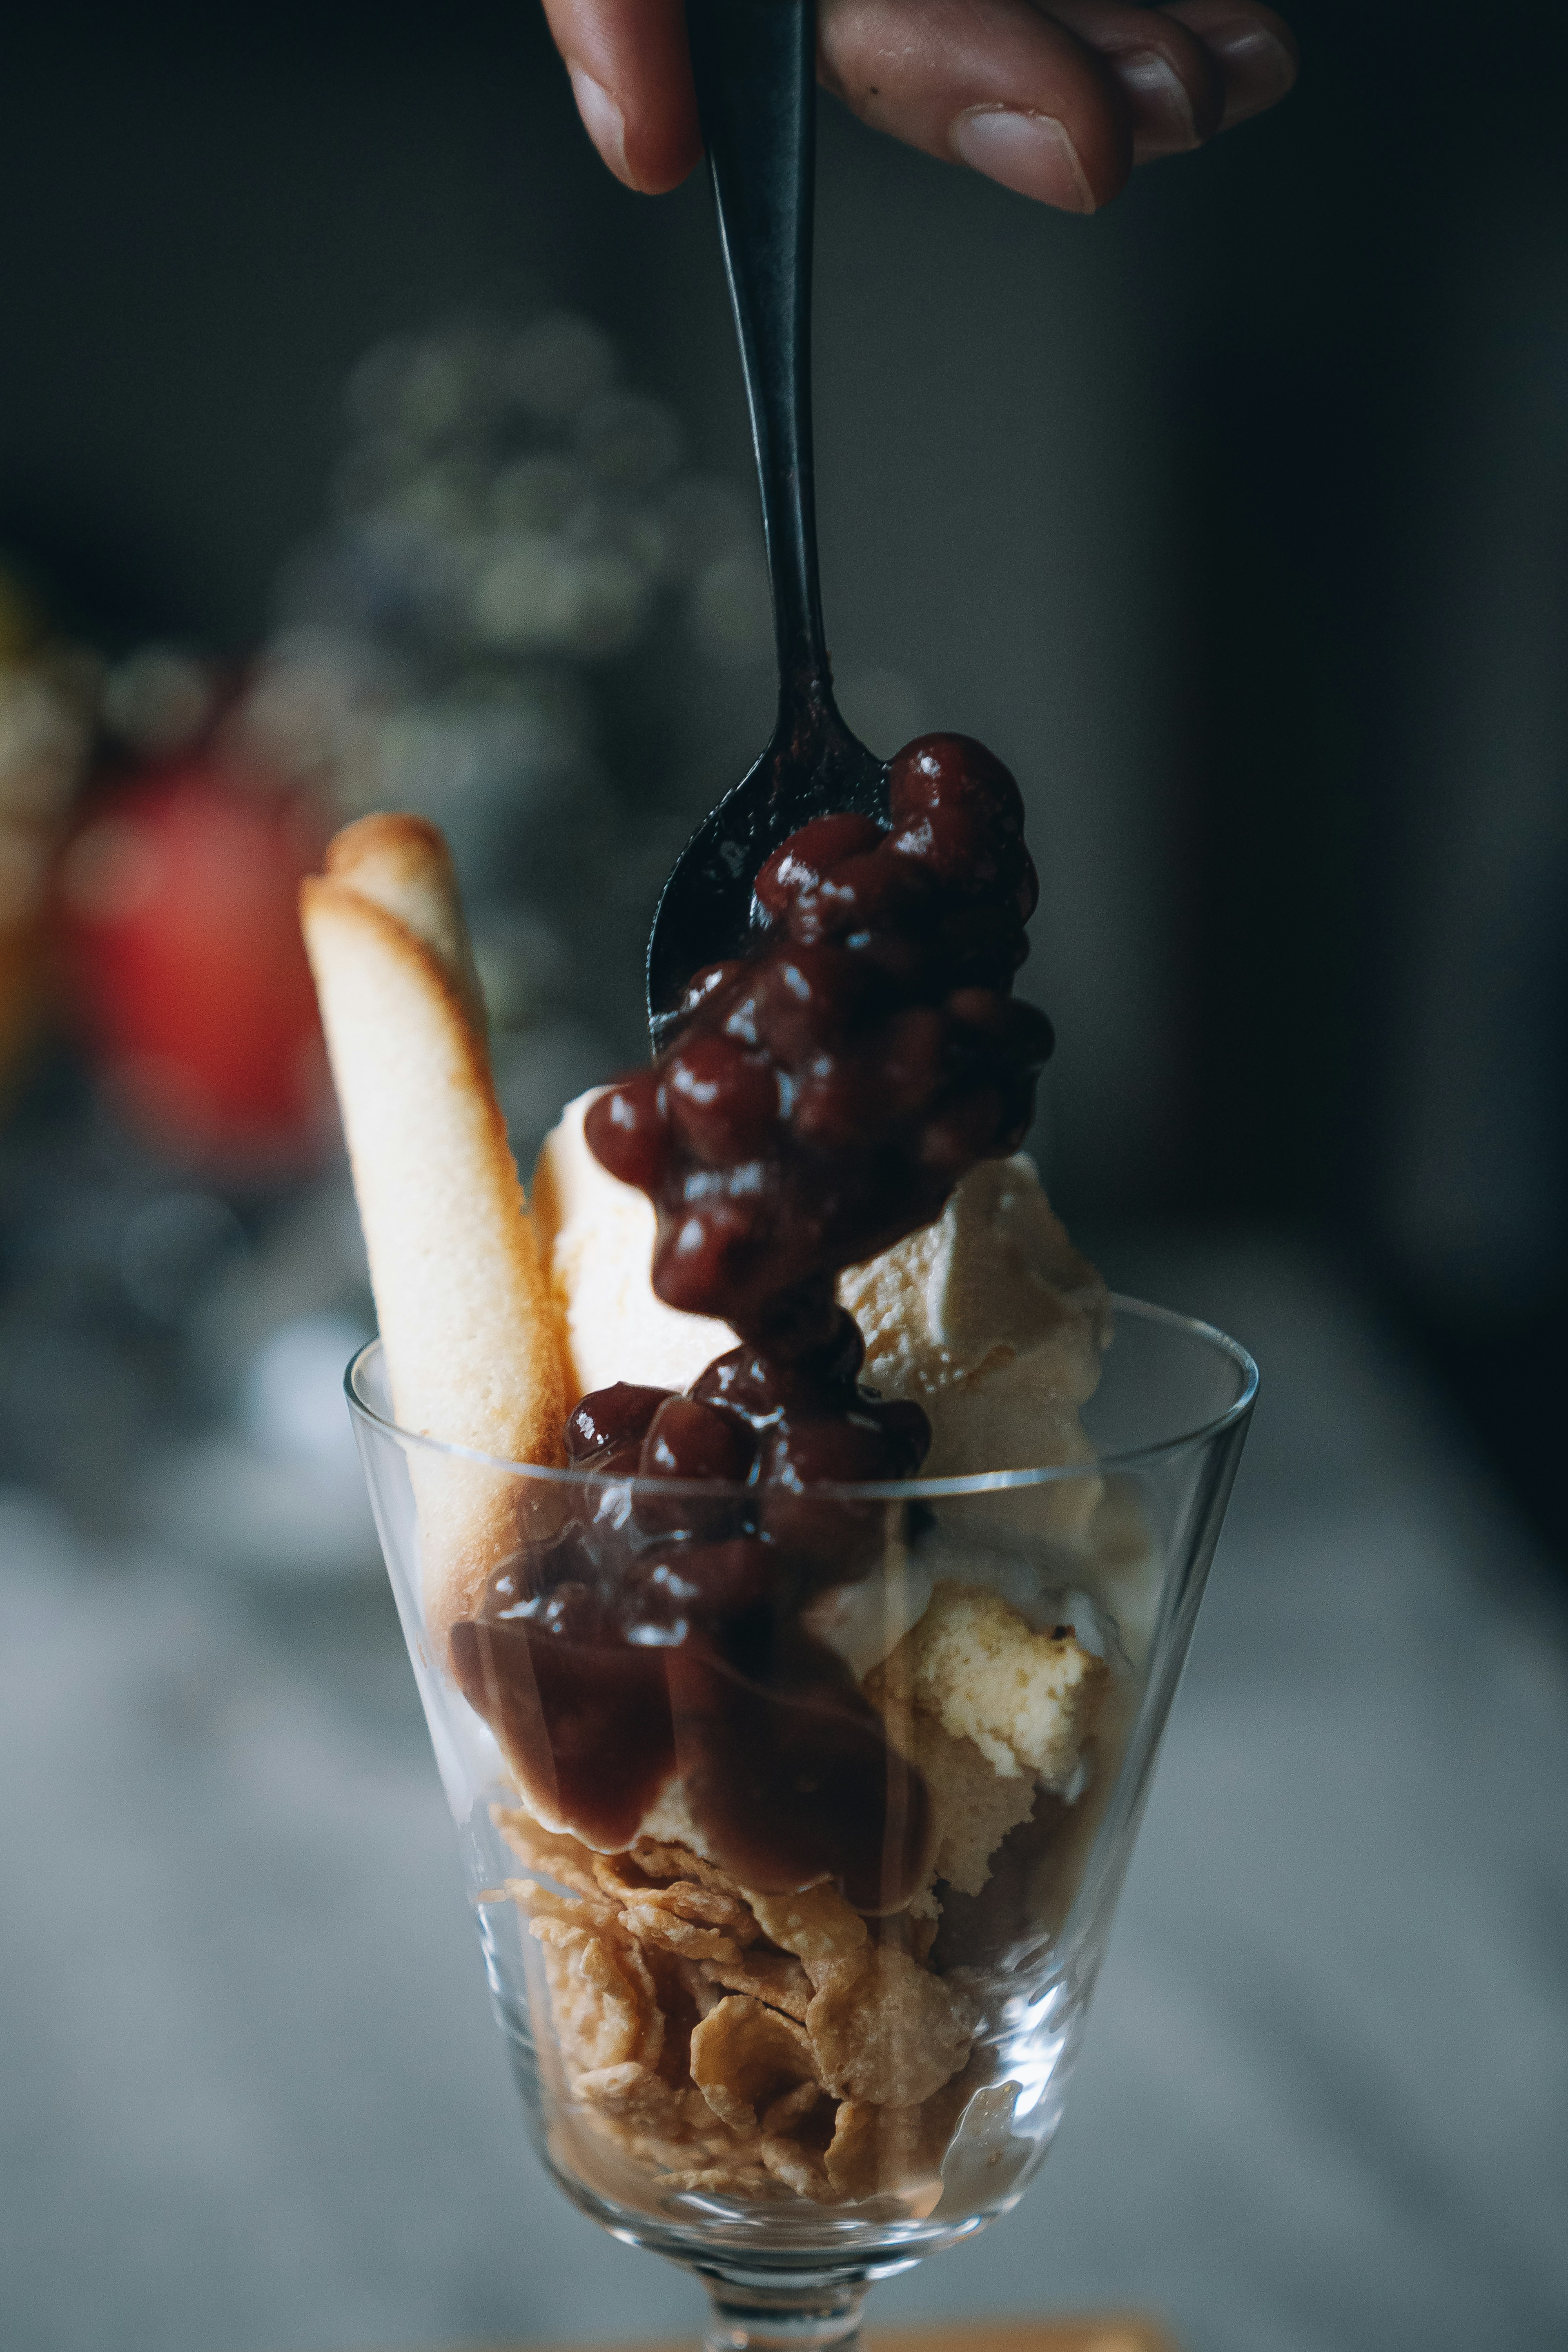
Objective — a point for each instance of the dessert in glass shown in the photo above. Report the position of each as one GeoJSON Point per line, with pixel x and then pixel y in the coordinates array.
{"type": "Point", "coordinates": [797, 1546]}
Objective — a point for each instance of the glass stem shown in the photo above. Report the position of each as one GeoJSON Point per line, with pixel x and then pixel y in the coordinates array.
{"type": "Point", "coordinates": [816, 2313]}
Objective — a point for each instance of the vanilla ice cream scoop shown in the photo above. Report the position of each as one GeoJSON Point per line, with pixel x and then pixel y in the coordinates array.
{"type": "Point", "coordinates": [989, 1319]}
{"type": "Point", "coordinates": [596, 1236]}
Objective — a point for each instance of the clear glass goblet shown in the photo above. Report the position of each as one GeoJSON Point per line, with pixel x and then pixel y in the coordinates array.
{"type": "Point", "coordinates": [792, 2095]}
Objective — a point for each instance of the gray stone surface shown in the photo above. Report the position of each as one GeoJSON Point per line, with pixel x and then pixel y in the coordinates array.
{"type": "Point", "coordinates": [251, 2099]}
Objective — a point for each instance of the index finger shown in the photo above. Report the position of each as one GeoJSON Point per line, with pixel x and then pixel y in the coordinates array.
{"type": "Point", "coordinates": [631, 77]}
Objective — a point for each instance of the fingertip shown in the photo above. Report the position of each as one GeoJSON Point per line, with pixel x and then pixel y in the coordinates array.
{"type": "Point", "coordinates": [631, 76]}
{"type": "Point", "coordinates": [659, 165]}
{"type": "Point", "coordinates": [1033, 154]}
{"type": "Point", "coordinates": [989, 84]}
{"type": "Point", "coordinates": [1170, 86]}
{"type": "Point", "coordinates": [602, 120]}
{"type": "Point", "coordinates": [1253, 46]}
{"type": "Point", "coordinates": [649, 156]}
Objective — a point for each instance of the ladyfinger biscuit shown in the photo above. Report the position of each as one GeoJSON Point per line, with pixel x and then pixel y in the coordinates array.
{"type": "Point", "coordinates": [467, 1321]}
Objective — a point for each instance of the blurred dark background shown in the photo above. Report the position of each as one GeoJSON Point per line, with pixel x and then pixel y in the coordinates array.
{"type": "Point", "coordinates": [1234, 519]}
{"type": "Point", "coordinates": [1237, 521]}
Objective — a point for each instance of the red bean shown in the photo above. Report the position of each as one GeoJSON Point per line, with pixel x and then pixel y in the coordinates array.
{"type": "Point", "coordinates": [816, 850]}
{"type": "Point", "coordinates": [626, 1130]}
{"type": "Point", "coordinates": [723, 1102]}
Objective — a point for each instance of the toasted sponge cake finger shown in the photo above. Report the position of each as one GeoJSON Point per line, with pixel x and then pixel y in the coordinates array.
{"type": "Point", "coordinates": [402, 864]}
{"type": "Point", "coordinates": [467, 1321]}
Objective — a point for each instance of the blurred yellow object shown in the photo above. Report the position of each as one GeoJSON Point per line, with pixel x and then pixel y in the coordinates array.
{"type": "Point", "coordinates": [21, 621]}
{"type": "Point", "coordinates": [48, 712]}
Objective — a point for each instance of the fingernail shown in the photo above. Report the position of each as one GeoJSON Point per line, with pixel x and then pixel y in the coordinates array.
{"type": "Point", "coordinates": [1030, 153]}
{"type": "Point", "coordinates": [602, 120]}
{"type": "Point", "coordinates": [1162, 120]}
{"type": "Point", "coordinates": [1258, 68]}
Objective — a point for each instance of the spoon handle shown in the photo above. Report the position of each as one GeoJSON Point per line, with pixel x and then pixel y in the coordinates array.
{"type": "Point", "coordinates": [755, 65]}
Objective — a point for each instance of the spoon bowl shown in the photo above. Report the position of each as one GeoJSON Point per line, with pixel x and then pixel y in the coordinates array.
{"type": "Point", "coordinates": [755, 66]}
{"type": "Point", "coordinates": [812, 767]}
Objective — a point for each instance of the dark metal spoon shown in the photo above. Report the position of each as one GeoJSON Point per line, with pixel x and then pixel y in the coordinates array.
{"type": "Point", "coordinates": [754, 62]}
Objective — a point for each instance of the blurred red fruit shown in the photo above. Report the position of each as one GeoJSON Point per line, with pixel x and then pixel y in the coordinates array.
{"type": "Point", "coordinates": [180, 926]}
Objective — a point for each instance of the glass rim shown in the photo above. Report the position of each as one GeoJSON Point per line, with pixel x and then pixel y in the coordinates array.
{"type": "Point", "coordinates": [878, 1490]}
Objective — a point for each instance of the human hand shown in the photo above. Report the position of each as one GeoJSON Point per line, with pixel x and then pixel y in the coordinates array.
{"type": "Point", "coordinates": [1057, 101]}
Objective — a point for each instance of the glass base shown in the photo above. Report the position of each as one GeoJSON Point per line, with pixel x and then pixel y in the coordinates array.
{"type": "Point", "coordinates": [812, 2311]}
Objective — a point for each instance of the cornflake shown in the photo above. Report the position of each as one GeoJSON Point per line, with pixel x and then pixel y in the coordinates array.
{"type": "Point", "coordinates": [633, 2094]}
{"type": "Point", "coordinates": [749, 2183]}
{"type": "Point", "coordinates": [602, 2017]}
{"type": "Point", "coordinates": [743, 2045]}
{"type": "Point", "coordinates": [658, 1859]}
{"type": "Point", "coordinates": [884, 2029]}
{"type": "Point", "coordinates": [818, 1926]}
{"type": "Point", "coordinates": [744, 2057]}
{"type": "Point", "coordinates": [775, 1979]}
{"type": "Point", "coordinates": [554, 1854]}
{"type": "Point", "coordinates": [799, 2168]}
{"type": "Point", "coordinates": [795, 2130]}
{"type": "Point", "coordinates": [793, 2109]}
{"type": "Point", "coordinates": [589, 1910]}
{"type": "Point", "coordinates": [871, 2149]}
{"type": "Point", "coordinates": [653, 1923]}
{"type": "Point", "coordinates": [621, 1876]}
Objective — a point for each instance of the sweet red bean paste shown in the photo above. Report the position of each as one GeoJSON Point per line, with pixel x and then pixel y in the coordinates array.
{"type": "Point", "coordinates": [819, 1099]}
